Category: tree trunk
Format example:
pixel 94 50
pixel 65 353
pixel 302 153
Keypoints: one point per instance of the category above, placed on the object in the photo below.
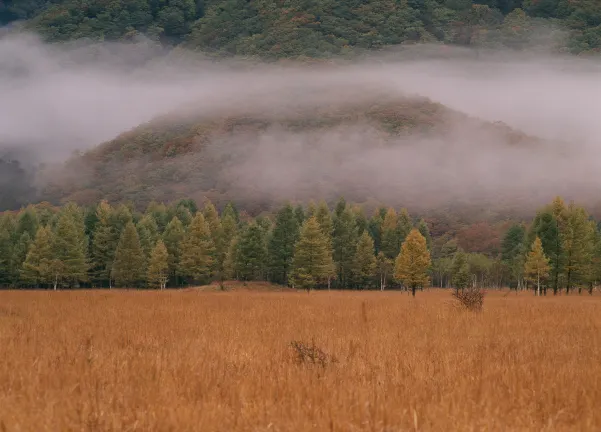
pixel 538 285
pixel 413 290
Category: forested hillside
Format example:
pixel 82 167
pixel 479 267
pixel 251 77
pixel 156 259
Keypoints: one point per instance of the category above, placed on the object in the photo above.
pixel 301 246
pixel 312 28
pixel 365 150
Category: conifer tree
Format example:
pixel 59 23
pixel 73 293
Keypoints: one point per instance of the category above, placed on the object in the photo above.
pixel 537 267
pixel 312 262
pixel 251 253
pixel 281 244
pixel 28 222
pixel 344 242
pixel 391 240
pixel 7 239
pixel 364 262
pixel 360 220
pixel 404 224
pixel 231 210
pixel 129 267
pixel 39 264
pixel 546 227
pixel 311 210
pixel 375 227
pixel 299 213
pixel 70 246
pixel 120 217
pixel 198 251
pixel 412 264
pixel 148 231
pixel 104 244
pixel 18 256
pixel 577 246
pixel 460 274
pixel 159 213
pixel 324 218
pixel 423 229
pixel 158 266
pixel 173 237
pixel 512 251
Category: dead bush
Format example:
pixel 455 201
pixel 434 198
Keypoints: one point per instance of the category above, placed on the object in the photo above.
pixel 471 298
pixel 309 353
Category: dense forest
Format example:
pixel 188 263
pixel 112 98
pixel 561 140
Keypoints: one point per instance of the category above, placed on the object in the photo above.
pixel 304 247
pixel 312 28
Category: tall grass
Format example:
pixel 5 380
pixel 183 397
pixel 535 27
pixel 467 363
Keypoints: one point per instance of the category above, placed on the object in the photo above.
pixel 197 361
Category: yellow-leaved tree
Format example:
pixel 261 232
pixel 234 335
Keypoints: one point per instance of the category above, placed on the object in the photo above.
pixel 412 264
pixel 537 266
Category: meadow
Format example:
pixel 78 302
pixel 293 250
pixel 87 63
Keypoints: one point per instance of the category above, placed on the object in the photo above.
pixel 193 360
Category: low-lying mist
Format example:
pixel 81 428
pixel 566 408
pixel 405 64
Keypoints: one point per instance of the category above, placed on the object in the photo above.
pixel 56 99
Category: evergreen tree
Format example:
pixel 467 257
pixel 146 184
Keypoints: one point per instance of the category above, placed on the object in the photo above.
pixel 312 263
pixel 344 242
pixel 404 224
pixel 251 253
pixel 299 213
pixel 7 239
pixel 198 251
pixel 577 246
pixel 412 264
pixel 129 267
pixel 360 220
pixel 18 256
pixel 460 271
pixel 391 240
pixel 512 251
pixel 159 213
pixel 546 227
pixel 231 210
pixel 375 227
pixel 311 210
pixel 148 231
pixel 281 244
pixel 158 266
pixel 28 222
pixel 104 244
pixel 70 246
pixel 324 218
pixel 39 264
pixel 364 262
pixel 172 237
pixel 423 229
pixel 536 267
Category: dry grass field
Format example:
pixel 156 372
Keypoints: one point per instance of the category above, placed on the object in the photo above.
pixel 207 361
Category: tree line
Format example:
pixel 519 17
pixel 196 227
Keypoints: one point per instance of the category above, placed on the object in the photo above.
pixel 310 246
pixel 301 28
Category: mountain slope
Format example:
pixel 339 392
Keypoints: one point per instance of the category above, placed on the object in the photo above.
pixel 369 150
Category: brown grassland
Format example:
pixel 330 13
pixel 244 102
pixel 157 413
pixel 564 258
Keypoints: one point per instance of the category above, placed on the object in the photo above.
pixel 207 361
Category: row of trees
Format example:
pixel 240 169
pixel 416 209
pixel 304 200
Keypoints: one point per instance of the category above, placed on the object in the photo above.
pixel 315 29
pixel 306 247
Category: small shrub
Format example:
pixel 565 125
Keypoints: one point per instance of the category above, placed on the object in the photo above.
pixel 305 353
pixel 471 298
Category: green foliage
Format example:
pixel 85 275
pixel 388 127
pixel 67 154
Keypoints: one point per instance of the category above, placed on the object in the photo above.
pixel 281 244
pixel 250 258
pixel 364 261
pixel 312 263
pixel 198 251
pixel 39 266
pixel 460 271
pixel 129 267
pixel 158 266
pixel 173 237
pixel 345 238
pixel 70 246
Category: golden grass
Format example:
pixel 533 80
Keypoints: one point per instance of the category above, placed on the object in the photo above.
pixel 207 361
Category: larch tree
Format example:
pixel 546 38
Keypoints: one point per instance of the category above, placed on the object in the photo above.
pixel 391 240
pixel 198 251
pixel 148 231
pixel 251 253
pixel 70 246
pixel 129 266
pixel 413 262
pixel 312 263
pixel 422 227
pixel 39 262
pixel 577 246
pixel 283 237
pixel 547 227
pixel 158 266
pixel 364 262
pixel 344 242
pixel 537 266
pixel 404 224
pixel 173 237
pixel 104 244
